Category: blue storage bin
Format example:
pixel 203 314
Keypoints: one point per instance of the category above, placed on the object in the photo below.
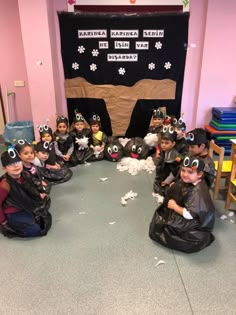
pixel 18 130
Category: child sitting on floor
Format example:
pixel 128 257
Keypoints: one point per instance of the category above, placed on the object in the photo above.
pixel 198 147
pixel 181 142
pixel 185 220
pixel 80 136
pixel 27 156
pixel 168 163
pixel 23 211
pixel 53 175
pixel 64 146
pixel 98 139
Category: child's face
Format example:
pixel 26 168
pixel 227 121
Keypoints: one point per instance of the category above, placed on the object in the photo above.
pixel 195 150
pixel 27 154
pixel 180 133
pixel 189 176
pixel 46 137
pixel 95 128
pixel 62 128
pixel 79 126
pixel 14 170
pixel 157 122
pixel 167 145
pixel 42 156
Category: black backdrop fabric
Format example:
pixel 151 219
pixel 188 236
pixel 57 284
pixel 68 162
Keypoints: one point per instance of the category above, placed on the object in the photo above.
pixel 165 39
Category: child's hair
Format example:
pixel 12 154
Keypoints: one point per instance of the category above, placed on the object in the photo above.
pixel 95 120
pixel 9 157
pixel 21 144
pixel 197 136
pixel 168 133
pixel 62 119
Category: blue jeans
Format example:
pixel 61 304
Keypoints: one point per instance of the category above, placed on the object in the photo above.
pixel 23 223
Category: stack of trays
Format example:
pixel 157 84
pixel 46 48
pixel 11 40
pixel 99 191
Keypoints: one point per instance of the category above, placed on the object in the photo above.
pixel 222 126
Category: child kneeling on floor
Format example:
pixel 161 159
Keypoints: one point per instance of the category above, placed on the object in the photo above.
pixel 185 220
pixel 23 211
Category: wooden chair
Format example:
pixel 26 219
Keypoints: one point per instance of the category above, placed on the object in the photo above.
pixel 222 167
pixel 231 195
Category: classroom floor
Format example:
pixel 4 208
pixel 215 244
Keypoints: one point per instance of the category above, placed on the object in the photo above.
pixel 98 259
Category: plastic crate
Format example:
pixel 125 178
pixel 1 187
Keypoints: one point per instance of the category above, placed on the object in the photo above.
pixel 17 130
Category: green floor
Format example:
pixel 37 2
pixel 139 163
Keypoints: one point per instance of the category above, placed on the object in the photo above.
pixel 98 258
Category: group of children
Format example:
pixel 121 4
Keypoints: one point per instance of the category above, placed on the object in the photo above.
pixel 184 218
pixel 31 170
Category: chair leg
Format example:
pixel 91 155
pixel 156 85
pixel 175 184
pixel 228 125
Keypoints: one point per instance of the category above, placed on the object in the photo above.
pixel 228 199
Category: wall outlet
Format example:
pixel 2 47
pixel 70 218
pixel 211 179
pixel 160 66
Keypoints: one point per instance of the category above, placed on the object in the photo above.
pixel 19 83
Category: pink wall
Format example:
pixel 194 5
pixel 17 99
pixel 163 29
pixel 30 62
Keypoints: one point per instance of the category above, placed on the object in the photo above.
pixel 38 54
pixel 12 61
pixel 209 74
pixel 218 79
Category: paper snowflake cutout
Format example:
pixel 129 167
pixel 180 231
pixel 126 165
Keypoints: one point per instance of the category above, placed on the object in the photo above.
pixel 121 71
pixel 81 49
pixel 167 65
pixel 93 67
pixel 151 66
pixel 95 52
pixel 75 65
pixel 158 45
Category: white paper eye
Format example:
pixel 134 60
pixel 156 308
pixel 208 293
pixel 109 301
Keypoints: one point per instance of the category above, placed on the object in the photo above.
pixel 40 128
pixel 94 117
pixel 186 161
pixel 115 148
pixel 133 148
pixel 98 118
pixel 180 121
pixel 164 129
pixel 190 136
pixel 155 112
pixel 139 150
pixel 175 121
pixel 12 153
pixel 195 163
pixel 21 141
pixel 109 150
pixel 46 145
pixel 45 127
pixel 171 129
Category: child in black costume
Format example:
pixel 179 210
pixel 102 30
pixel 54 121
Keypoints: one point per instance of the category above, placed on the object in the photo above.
pixel 53 175
pixel 181 142
pixel 27 156
pixel 168 163
pixel 158 117
pixel 64 146
pixel 98 139
pixel 80 136
pixel 186 218
pixel 23 211
pixel 198 147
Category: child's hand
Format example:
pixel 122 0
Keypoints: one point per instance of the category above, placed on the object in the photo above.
pixel 66 157
pixel 172 204
pixel 43 195
pixel 44 183
pixel 163 184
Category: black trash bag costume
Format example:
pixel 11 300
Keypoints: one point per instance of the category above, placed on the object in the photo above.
pixel 174 231
pixel 33 171
pixel 54 176
pixel 113 149
pixel 97 140
pixel 25 196
pixel 64 144
pixel 167 164
pixel 81 139
pixel 136 148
